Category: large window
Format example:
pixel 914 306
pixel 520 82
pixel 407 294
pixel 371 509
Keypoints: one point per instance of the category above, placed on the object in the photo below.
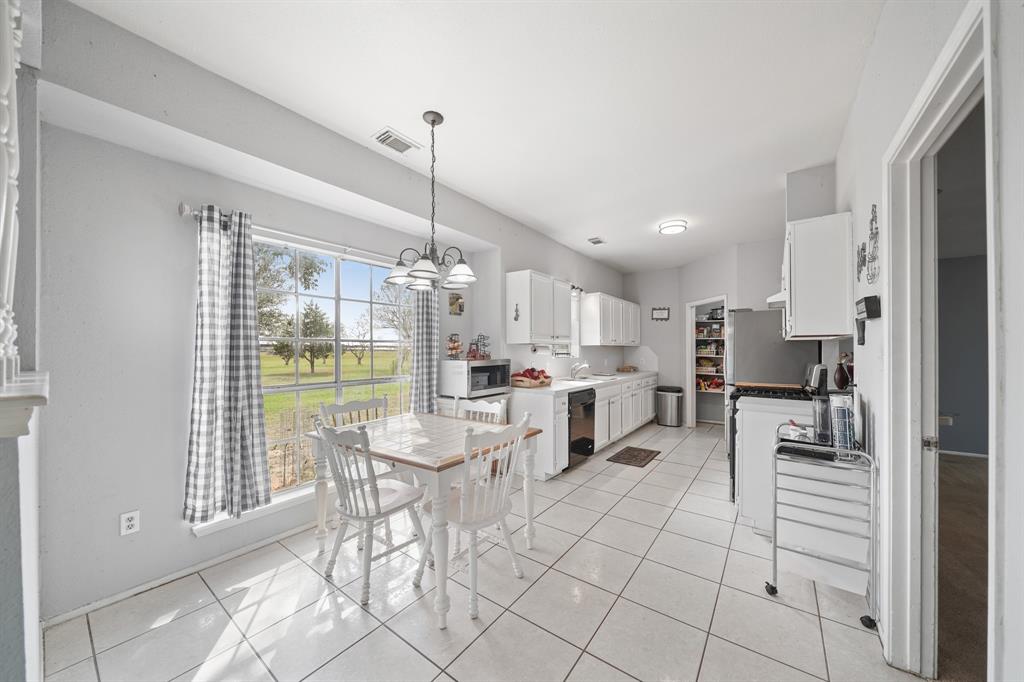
pixel 330 331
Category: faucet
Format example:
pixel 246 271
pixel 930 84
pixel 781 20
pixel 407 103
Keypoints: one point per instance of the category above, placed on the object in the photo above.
pixel 577 368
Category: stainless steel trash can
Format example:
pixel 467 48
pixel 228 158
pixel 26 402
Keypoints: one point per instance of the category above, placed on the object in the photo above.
pixel 670 405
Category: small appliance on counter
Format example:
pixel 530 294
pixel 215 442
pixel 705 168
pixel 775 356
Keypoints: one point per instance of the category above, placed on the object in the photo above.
pixel 474 378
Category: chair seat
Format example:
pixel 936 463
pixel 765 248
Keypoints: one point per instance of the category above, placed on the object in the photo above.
pixel 393 495
pixel 460 509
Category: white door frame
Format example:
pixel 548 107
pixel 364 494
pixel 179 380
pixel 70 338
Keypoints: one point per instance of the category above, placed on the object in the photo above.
pixel 690 392
pixel 908 472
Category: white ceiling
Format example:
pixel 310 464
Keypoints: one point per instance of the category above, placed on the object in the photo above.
pixel 578 119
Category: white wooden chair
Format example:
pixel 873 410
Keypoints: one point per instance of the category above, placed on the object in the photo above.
pixel 483 498
pixel 363 499
pixel 487 411
pixel 482 410
pixel 355 412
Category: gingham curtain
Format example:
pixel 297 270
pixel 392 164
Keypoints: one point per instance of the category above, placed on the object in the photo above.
pixel 425 351
pixel 227 451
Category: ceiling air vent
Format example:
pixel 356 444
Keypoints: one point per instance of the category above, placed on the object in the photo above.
pixel 396 141
pixel 596 241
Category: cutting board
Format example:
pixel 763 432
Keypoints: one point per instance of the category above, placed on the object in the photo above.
pixel 751 384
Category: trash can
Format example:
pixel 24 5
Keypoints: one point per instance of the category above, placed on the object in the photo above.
pixel 670 405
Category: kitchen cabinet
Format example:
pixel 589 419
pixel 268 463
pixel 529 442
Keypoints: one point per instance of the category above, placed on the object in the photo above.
pixel 600 423
pixel 561 323
pixel 537 308
pixel 615 417
pixel 561 453
pixel 756 422
pixel 817 278
pixel 609 321
pixel 637 411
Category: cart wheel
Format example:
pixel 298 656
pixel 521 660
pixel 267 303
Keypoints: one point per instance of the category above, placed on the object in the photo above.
pixel 770 589
pixel 868 622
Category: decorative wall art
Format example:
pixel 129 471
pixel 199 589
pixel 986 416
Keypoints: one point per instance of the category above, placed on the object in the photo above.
pixel 867 252
pixel 660 314
pixel 456 304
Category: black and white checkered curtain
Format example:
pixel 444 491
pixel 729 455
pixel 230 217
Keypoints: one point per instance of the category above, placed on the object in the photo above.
pixel 227 450
pixel 425 351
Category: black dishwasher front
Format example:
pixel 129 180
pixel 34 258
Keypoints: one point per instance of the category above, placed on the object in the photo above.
pixel 581 425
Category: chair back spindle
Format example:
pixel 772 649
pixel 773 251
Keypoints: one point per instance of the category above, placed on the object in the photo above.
pixel 352 468
pixel 354 412
pixel 490 412
pixel 487 478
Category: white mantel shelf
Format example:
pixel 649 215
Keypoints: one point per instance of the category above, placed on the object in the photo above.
pixel 18 399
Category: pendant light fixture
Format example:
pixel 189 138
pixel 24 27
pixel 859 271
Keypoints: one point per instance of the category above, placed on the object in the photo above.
pixel 425 270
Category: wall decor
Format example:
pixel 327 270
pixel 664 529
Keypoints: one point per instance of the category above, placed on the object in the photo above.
pixel 456 304
pixel 867 252
pixel 660 314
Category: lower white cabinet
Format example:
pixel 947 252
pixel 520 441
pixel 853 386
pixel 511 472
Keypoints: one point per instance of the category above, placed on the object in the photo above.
pixel 756 422
pixel 648 400
pixel 600 423
pixel 561 434
pixel 638 415
pixel 615 417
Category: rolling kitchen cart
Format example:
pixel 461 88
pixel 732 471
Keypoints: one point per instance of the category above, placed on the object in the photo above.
pixel 824 497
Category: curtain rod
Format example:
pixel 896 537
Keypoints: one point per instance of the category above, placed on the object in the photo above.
pixel 185 209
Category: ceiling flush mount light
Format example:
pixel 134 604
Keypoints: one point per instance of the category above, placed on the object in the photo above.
pixel 672 227
pixel 425 270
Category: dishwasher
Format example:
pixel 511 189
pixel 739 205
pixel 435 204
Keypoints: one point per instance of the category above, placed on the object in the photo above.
pixel 581 425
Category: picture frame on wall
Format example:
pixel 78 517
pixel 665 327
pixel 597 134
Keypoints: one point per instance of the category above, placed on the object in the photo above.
pixel 660 314
pixel 456 304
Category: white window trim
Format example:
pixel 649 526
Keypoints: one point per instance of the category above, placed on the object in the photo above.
pixel 293 497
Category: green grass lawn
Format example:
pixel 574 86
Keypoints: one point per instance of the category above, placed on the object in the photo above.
pixel 280 408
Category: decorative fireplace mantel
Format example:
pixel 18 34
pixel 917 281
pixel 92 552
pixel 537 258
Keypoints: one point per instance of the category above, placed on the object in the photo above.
pixel 19 398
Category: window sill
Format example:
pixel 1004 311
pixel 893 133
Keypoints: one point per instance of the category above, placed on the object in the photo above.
pixel 304 494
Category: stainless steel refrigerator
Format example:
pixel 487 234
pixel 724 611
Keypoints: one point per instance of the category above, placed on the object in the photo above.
pixel 757 353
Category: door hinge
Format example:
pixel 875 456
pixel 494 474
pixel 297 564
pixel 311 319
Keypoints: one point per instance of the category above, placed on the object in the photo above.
pixel 930 442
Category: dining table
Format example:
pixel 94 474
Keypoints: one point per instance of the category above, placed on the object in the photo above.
pixel 432 447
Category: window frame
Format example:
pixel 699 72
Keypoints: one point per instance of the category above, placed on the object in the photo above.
pixel 401 383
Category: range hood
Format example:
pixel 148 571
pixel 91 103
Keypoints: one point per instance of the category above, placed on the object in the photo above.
pixel 776 301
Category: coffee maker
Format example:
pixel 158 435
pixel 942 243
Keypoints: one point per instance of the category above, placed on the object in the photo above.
pixel 816 385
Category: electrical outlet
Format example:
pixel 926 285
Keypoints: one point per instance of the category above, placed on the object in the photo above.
pixel 130 522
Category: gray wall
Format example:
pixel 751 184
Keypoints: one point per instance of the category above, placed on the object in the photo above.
pixel 118 287
pixel 963 353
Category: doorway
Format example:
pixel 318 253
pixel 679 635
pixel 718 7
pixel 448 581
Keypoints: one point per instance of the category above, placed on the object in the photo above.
pixel 706 361
pixel 962 369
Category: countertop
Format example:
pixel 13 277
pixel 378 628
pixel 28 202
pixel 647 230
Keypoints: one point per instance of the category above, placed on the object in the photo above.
pixel 563 386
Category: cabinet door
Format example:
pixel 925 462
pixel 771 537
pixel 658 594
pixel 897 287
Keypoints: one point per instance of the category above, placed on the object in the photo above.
pixel 636 324
pixel 616 339
pixel 561 313
pixel 600 424
pixel 638 418
pixel 820 277
pixel 541 307
pixel 650 398
pixel 606 321
pixel 614 418
pixel 561 445
pixel 627 323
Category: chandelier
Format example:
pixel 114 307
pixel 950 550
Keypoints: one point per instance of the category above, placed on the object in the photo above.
pixel 425 270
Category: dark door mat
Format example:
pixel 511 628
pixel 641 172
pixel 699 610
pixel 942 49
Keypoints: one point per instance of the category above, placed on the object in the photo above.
pixel 635 457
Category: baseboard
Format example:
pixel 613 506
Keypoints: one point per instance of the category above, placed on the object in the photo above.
pixel 139 589
pixel 963 454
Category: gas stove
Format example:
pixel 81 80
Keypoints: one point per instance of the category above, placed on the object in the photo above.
pixel 776 393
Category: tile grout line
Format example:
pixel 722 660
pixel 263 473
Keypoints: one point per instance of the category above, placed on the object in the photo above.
pixel 245 638
pixel 92 645
pixel 821 631
pixel 714 609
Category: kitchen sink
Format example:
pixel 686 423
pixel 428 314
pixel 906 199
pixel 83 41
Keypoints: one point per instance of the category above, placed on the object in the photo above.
pixel 583 382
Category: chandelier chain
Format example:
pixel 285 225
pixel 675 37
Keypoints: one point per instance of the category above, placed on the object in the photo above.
pixel 433 200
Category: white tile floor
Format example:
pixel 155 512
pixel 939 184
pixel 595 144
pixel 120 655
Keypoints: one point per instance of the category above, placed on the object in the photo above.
pixel 637 573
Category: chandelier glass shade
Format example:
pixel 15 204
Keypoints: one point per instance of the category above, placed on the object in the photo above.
pixel 427 269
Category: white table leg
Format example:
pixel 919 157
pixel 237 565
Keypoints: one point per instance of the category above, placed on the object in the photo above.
pixel 321 492
pixel 439 516
pixel 531 452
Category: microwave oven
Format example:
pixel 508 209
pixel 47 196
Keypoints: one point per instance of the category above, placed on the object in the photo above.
pixel 474 378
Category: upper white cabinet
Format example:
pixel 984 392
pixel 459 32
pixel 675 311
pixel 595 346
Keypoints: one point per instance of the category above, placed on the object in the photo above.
pixel 562 311
pixel 609 321
pixel 817 278
pixel 538 308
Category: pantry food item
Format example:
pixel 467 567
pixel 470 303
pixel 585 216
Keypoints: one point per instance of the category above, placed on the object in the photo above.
pixel 531 377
